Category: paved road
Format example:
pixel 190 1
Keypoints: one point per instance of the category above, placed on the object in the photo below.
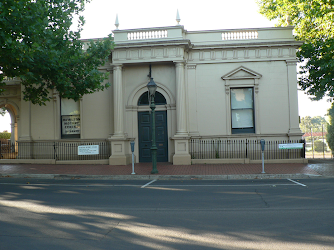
pixel 243 214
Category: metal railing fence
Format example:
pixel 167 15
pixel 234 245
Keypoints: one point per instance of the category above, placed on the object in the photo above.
pixel 60 151
pixel 199 149
pixel 243 148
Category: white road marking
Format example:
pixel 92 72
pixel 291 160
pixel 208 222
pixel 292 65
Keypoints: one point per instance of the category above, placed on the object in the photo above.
pixel 297 182
pixel 70 185
pixel 256 185
pixel 149 183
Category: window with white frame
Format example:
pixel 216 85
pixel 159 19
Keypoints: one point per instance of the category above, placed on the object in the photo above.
pixel 70 118
pixel 242 110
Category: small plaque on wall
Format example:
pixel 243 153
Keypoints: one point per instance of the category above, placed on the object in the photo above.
pixel 70 124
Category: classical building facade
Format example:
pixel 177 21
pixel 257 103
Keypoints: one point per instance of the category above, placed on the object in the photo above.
pixel 220 84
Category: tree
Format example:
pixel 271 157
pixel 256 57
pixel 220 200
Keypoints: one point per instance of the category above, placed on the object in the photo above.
pixel 5 135
pixel 330 128
pixel 3 111
pixel 319 146
pixel 314 24
pixel 39 47
pixel 316 122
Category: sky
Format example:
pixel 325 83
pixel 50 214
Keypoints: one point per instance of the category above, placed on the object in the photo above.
pixel 100 18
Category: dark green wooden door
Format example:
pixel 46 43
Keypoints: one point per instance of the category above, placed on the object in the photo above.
pixel 145 136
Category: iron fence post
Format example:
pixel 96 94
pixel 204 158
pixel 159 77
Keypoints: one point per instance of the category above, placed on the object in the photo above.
pixel 54 150
pixel 246 149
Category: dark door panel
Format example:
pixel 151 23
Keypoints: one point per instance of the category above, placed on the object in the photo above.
pixel 145 136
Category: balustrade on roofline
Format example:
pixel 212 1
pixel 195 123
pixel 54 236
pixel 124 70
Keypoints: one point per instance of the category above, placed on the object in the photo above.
pixel 152 34
pixel 240 35
pixel 163 33
pixel 11 79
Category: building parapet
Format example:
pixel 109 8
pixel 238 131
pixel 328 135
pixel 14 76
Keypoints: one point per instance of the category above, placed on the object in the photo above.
pixel 204 36
pixel 12 80
pixel 158 33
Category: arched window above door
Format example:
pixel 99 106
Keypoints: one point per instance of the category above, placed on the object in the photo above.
pixel 158 100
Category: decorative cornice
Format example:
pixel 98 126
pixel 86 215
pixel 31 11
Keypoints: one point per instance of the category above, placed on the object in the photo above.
pixel 241 73
pixel 250 74
pixel 154 43
pixel 11 91
pixel 291 62
pixel 241 54
pixel 253 45
pixel 179 63
pixel 116 65
pixel 191 66
pixel 149 54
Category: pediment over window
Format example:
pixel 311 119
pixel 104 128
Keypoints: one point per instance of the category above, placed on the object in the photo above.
pixel 241 73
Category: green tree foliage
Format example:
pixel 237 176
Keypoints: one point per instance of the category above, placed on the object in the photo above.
pixel 330 128
pixel 5 135
pixel 316 122
pixel 319 146
pixel 3 111
pixel 39 47
pixel 314 24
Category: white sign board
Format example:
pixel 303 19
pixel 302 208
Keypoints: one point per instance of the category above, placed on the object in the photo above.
pixel 291 146
pixel 88 150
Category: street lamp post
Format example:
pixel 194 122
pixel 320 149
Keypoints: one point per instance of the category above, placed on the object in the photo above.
pixel 152 87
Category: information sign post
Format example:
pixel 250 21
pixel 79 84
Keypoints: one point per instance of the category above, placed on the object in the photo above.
pixel 132 143
pixel 263 142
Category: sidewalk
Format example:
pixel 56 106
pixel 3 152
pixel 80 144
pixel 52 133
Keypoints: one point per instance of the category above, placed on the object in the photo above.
pixel 316 168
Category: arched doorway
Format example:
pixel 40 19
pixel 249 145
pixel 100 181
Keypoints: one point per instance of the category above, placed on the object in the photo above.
pixel 8 146
pixel 12 112
pixel 145 129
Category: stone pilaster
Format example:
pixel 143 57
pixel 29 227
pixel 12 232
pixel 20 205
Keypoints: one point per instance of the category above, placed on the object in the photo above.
pixel 56 115
pixel 181 138
pixel 120 144
pixel 294 130
pixel 25 121
pixel 192 119
pixel 118 102
pixel 13 127
pixel 181 119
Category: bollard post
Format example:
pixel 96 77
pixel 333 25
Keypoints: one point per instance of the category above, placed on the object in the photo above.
pixel 132 143
pixel 263 142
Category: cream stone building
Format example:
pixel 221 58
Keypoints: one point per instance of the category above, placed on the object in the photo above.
pixel 214 85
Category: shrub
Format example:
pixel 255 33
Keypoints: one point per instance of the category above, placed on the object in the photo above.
pixel 319 146
pixel 5 135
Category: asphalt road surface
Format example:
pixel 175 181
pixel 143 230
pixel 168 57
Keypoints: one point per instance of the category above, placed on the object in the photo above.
pixel 240 214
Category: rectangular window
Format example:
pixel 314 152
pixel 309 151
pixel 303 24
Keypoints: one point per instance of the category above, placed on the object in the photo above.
pixel 70 118
pixel 242 110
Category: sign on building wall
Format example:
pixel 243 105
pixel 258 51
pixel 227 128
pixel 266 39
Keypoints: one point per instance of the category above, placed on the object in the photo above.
pixel 291 146
pixel 70 124
pixel 88 150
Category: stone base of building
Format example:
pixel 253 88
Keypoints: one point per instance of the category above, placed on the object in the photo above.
pixel 120 159
pixel 247 161
pixel 182 159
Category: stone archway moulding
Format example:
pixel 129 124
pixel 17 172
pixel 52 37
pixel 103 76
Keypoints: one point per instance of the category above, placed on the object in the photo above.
pixel 136 93
pixel 132 109
pixel 14 112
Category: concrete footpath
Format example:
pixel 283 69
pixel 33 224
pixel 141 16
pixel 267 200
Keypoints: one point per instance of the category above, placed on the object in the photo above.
pixel 314 169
